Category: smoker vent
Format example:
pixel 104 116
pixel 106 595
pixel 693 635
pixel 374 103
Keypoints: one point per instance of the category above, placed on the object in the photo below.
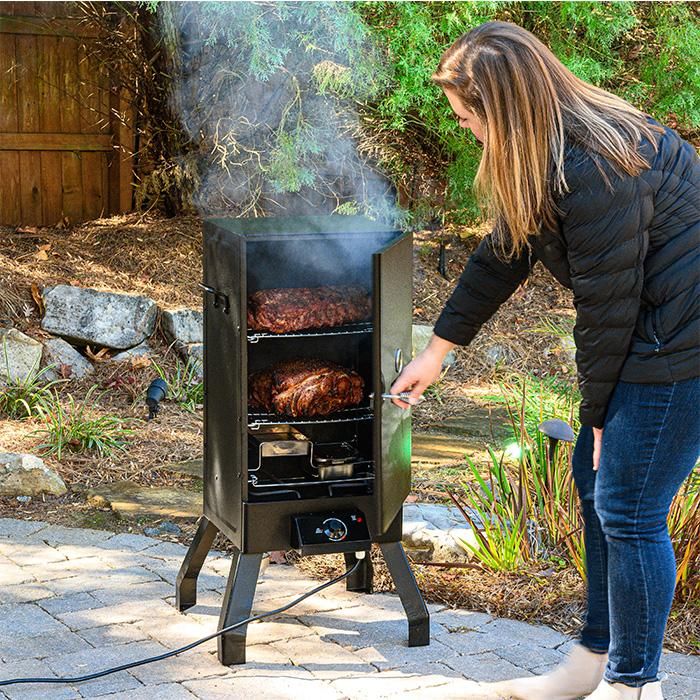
pixel 350 329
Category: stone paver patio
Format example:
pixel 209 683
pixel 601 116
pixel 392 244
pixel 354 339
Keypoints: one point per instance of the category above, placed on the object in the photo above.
pixel 76 601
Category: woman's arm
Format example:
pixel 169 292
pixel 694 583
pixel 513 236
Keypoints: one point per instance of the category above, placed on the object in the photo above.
pixel 487 281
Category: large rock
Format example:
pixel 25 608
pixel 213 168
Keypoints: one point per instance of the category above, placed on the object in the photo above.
pixel 184 325
pixel 421 337
pixel 64 361
pixel 133 354
pixel 87 316
pixel 27 475
pixel 134 500
pixel 20 355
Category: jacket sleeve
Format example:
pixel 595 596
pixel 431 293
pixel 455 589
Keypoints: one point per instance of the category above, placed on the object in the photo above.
pixel 605 231
pixel 487 281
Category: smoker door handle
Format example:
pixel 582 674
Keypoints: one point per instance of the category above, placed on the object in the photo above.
pixel 219 297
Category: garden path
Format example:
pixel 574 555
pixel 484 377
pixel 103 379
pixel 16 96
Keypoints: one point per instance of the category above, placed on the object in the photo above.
pixel 74 601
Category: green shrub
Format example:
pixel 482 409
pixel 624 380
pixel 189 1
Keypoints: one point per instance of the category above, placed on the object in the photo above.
pixel 647 53
pixel 79 428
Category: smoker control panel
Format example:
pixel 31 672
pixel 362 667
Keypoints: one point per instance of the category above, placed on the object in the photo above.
pixel 317 533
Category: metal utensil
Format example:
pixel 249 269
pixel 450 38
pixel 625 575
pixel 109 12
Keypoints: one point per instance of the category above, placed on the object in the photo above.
pixel 403 396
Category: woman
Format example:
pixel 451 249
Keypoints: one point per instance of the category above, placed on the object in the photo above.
pixel 609 201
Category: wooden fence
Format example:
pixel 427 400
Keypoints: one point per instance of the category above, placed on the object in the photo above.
pixel 64 153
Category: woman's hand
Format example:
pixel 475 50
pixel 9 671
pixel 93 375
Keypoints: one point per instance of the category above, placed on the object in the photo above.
pixel 597 444
pixel 419 374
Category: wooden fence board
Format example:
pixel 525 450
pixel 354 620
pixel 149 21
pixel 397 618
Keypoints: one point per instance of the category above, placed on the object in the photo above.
pixel 93 194
pixel 8 85
pixel 72 174
pixel 63 152
pixel 51 187
pixel 27 83
pixel 30 187
pixel 10 206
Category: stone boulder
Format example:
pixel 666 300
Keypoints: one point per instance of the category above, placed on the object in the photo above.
pixel 117 321
pixel 20 355
pixel 64 361
pixel 132 354
pixel 184 326
pixel 421 336
pixel 27 475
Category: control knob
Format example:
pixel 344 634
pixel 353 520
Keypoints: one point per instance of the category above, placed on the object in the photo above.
pixel 335 529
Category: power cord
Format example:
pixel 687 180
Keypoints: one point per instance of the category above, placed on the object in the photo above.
pixel 99 674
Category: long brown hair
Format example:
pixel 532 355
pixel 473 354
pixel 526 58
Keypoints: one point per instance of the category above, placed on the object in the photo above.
pixel 531 105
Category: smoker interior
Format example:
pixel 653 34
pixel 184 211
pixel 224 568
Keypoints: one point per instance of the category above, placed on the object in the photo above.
pixel 327 260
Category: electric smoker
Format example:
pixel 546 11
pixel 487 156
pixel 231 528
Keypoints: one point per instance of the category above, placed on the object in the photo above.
pixel 322 484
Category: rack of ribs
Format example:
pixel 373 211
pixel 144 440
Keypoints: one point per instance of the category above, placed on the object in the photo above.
pixel 304 387
pixel 305 308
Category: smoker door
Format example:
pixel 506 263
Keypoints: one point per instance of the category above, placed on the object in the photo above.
pixel 225 404
pixel 393 312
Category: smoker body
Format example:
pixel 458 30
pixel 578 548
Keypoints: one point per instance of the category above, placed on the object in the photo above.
pixel 259 504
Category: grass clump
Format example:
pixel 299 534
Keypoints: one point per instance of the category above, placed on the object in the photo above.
pixel 185 385
pixel 77 427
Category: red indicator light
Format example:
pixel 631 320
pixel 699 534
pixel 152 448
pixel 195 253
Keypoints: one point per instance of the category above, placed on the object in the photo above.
pixel 359 520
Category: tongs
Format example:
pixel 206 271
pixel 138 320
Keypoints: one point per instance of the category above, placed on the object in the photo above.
pixel 403 396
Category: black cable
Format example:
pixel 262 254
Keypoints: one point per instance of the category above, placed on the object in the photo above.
pixel 174 652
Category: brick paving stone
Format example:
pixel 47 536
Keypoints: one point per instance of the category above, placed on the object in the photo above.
pixel 116 595
pixel 280 685
pixel 88 568
pixel 461 620
pixel 166 691
pixel 12 574
pixel 486 667
pixel 165 550
pixel 525 632
pixel 278 630
pixel 130 542
pixel 386 657
pixel 28 553
pixel 476 642
pixel 680 687
pixel 457 689
pixel 69 603
pixel 16 648
pixel 188 666
pixel 176 630
pixel 386 684
pixel 91 660
pixel 107 635
pixel 32 668
pixel 324 660
pixel 114 614
pixel 672 662
pixel 58 534
pixel 530 656
pixel 26 620
pixel 17 529
pixel 24 593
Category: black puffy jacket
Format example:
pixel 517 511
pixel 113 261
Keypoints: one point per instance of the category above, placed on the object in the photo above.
pixel 631 257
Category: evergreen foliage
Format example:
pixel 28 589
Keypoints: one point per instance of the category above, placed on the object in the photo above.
pixel 647 53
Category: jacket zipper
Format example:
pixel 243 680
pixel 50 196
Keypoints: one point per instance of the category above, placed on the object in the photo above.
pixel 657 348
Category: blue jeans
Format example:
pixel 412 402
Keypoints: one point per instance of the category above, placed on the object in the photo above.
pixel 651 441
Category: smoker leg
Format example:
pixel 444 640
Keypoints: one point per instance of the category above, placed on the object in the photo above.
pixel 186 585
pixel 411 598
pixel 238 602
pixel 361 580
